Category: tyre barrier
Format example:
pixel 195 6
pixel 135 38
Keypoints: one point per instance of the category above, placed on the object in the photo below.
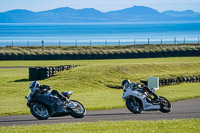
pixel 171 81
pixel 41 73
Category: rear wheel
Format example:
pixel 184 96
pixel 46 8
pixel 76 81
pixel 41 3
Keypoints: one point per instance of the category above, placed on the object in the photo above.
pixel 39 111
pixel 134 105
pixel 78 111
pixel 165 105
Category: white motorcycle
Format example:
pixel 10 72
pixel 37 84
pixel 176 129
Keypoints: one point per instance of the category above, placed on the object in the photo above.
pixel 137 100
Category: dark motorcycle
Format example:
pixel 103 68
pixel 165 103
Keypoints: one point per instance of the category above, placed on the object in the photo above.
pixel 43 106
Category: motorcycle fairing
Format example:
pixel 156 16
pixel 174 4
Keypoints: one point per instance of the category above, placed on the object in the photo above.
pixel 45 99
pixel 142 97
pixel 52 103
pixel 129 92
pixel 67 93
pixel 149 106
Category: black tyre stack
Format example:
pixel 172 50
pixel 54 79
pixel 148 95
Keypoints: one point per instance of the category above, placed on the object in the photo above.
pixel 33 73
pixel 41 73
pixel 171 81
pixel 163 82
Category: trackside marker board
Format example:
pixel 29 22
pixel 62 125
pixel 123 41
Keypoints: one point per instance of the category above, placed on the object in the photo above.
pixel 153 82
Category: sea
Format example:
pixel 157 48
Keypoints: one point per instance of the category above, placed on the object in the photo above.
pixel 96 34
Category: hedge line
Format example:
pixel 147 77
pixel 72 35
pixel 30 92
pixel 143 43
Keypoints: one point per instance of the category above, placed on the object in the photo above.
pixel 41 73
pixel 114 55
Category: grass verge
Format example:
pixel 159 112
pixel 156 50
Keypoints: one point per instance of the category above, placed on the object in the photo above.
pixel 53 50
pixel 101 62
pixel 163 126
pixel 90 83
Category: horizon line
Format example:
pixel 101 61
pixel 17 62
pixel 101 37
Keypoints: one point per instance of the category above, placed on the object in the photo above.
pixel 100 10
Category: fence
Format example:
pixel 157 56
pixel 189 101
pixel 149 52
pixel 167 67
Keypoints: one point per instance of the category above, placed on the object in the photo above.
pixel 174 40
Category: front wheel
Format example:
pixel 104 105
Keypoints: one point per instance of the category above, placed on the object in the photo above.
pixel 78 111
pixel 134 105
pixel 39 111
pixel 165 105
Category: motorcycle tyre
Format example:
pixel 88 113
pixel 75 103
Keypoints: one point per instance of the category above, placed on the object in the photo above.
pixel 38 116
pixel 77 115
pixel 162 109
pixel 130 108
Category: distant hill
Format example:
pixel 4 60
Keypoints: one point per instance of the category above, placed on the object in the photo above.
pixel 188 13
pixel 137 14
pixel 70 15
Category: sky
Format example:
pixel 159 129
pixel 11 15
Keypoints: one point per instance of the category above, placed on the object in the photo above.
pixel 101 5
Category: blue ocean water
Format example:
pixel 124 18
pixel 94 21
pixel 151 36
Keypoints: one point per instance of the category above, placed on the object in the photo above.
pixel 98 33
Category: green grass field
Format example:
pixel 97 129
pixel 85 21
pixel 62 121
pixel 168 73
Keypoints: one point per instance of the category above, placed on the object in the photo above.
pixel 90 83
pixel 92 62
pixel 161 126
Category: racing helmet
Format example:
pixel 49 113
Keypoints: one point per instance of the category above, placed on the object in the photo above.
pixel 33 85
pixel 125 82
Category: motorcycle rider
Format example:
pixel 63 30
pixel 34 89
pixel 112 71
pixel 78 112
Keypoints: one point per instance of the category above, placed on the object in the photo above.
pixel 35 86
pixel 126 83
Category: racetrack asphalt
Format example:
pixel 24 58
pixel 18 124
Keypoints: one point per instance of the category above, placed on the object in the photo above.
pixel 184 109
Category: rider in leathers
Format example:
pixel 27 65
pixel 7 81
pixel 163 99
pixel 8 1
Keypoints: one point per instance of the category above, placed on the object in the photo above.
pixel 35 86
pixel 126 83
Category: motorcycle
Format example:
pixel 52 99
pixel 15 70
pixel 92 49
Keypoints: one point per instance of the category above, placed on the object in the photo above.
pixel 138 100
pixel 43 106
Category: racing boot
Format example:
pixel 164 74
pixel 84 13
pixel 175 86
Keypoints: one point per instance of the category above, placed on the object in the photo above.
pixel 66 102
pixel 155 99
pixel 63 98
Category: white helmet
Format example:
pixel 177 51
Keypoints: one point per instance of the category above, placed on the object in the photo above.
pixel 34 85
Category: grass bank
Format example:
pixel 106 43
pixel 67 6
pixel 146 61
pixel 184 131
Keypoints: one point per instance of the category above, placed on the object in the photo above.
pixel 90 83
pixel 163 126
pixel 98 52
pixel 34 50
pixel 100 62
